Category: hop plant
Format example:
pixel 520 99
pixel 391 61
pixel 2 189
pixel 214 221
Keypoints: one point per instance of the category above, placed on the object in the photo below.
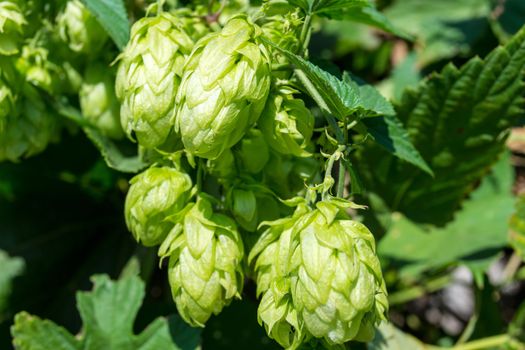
pixel 287 124
pixel 205 253
pixel 98 101
pixel 7 103
pixel 80 29
pixel 336 280
pixel 29 128
pixel 224 88
pixel 12 23
pixel 154 195
pixel 149 75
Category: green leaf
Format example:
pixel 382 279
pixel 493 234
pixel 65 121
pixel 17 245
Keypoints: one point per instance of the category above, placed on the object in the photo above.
pixel 338 97
pixel 458 120
pixel 361 12
pixel 9 268
pixel 388 337
pixel 111 153
pixel 443 28
pixel 517 227
pixel 108 313
pixel 32 333
pixel 389 132
pixel 112 15
pixel 476 236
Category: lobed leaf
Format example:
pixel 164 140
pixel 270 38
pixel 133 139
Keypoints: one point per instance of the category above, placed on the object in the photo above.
pixel 459 121
pixel 108 313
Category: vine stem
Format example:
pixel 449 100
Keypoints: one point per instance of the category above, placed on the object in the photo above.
pixel 304 37
pixel 484 343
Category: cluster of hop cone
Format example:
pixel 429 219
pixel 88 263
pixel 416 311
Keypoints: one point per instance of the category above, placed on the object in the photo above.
pixel 231 145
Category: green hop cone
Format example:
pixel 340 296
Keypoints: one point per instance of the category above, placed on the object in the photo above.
pixel 98 101
pixel 80 29
pixel 12 23
pixel 287 124
pixel 224 89
pixel 154 195
pixel 205 254
pixel 29 128
pixel 336 280
pixel 35 65
pixel 284 30
pixel 149 75
pixel 252 143
pixel 270 258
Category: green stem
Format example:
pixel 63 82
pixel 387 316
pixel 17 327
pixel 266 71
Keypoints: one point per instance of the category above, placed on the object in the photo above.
pixel 512 267
pixel 418 291
pixel 484 343
pixel 471 325
pixel 304 38
pixel 160 5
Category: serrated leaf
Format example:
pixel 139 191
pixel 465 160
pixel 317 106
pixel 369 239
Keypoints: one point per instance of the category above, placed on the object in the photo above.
pixel 112 15
pixel 389 133
pixel 108 313
pixel 338 97
pixel 32 333
pixel 517 227
pixel 458 120
pixel 476 235
pixel 388 337
pixel 10 267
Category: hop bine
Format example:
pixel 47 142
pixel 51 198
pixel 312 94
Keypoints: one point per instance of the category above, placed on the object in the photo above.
pixel 149 75
pixel 224 88
pixel 205 253
pixel 154 195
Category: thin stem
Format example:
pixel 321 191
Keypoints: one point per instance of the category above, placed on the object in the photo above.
pixel 512 267
pixel 304 38
pixel 418 291
pixel 341 179
pixel 471 325
pixel 160 6
pixel 484 343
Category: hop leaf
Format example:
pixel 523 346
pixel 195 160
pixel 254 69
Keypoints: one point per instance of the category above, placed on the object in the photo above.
pixel 28 130
pixel 287 124
pixel 12 23
pixel 149 75
pixel 205 271
pixel 80 29
pixel 224 88
pixel 337 285
pixel 154 195
pixel 98 101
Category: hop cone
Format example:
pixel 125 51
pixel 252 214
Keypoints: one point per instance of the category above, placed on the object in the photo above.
pixel 154 195
pixel 80 29
pixel 28 130
pixel 98 101
pixel 224 88
pixel 287 124
pixel 270 258
pixel 205 271
pixel 149 75
pixel 12 22
pixel 336 281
